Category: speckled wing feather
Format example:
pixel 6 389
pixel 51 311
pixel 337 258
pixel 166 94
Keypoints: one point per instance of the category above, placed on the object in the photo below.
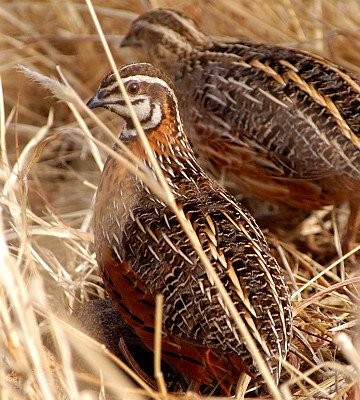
pixel 163 259
pixel 272 101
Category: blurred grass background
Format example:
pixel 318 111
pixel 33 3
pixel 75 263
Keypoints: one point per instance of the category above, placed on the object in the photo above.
pixel 47 265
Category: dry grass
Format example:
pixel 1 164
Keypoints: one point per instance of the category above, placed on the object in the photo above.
pixel 50 165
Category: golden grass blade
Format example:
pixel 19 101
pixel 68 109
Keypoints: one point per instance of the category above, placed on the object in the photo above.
pixel 98 357
pixel 13 288
pixel 4 158
pixel 346 346
pixel 157 345
pixel 305 303
pixel 21 167
pixel 323 272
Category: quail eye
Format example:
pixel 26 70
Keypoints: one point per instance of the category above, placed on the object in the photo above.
pixel 101 93
pixel 133 88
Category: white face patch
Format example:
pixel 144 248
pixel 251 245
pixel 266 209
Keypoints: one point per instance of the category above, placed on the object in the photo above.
pixel 155 118
pixel 142 107
pixel 157 110
pixel 153 122
pixel 128 133
pixel 147 109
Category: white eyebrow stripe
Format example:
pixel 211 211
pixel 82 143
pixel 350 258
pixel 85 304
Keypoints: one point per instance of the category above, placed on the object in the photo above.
pixel 170 31
pixel 149 79
pixel 161 82
pixel 171 35
pixel 185 22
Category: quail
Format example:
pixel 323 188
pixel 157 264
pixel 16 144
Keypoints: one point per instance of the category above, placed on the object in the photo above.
pixel 278 123
pixel 142 250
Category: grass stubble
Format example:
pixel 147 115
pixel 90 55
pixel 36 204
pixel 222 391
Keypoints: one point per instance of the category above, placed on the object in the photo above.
pixel 51 157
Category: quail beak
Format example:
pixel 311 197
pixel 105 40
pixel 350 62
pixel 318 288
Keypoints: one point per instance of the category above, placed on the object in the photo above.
pixel 95 102
pixel 128 41
pixel 125 42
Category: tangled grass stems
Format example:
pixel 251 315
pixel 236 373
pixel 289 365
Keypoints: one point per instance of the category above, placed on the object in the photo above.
pixel 46 236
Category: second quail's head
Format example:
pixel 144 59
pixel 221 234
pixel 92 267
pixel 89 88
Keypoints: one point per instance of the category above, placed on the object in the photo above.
pixel 164 34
